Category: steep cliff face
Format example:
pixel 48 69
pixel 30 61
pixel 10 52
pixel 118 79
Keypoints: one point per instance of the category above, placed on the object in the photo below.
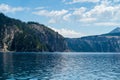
pixel 53 40
pixel 101 43
pixel 7 32
pixel 20 36
pixel 95 44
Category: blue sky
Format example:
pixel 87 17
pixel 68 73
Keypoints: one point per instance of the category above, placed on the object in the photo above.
pixel 71 18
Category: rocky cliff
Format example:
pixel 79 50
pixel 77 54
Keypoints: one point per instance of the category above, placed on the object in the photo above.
pixel 109 42
pixel 16 35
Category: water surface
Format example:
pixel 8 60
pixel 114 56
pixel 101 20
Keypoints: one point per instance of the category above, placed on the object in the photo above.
pixel 59 66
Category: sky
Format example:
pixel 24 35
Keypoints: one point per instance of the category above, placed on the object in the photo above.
pixel 71 18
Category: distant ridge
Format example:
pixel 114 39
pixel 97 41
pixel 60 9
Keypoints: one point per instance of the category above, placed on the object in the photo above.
pixel 116 30
pixel 109 42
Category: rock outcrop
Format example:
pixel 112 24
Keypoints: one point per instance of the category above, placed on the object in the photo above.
pixel 19 36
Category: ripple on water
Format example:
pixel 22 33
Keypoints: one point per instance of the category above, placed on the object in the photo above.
pixel 35 66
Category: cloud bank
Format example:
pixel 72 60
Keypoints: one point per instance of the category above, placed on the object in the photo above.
pixel 5 8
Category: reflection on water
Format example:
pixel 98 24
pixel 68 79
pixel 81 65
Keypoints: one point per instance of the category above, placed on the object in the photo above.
pixel 59 66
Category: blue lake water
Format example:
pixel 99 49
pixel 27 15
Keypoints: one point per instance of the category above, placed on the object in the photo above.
pixel 59 66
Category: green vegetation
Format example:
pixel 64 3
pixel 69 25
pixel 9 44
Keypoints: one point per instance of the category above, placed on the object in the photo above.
pixel 28 37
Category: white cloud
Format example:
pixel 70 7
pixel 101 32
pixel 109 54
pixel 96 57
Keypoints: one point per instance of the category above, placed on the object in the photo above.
pixel 101 10
pixel 104 12
pixel 67 17
pixel 79 11
pixel 76 13
pixel 86 20
pixel 107 24
pixel 81 15
pixel 68 33
pixel 100 14
pixel 8 9
pixel 82 1
pixel 53 13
